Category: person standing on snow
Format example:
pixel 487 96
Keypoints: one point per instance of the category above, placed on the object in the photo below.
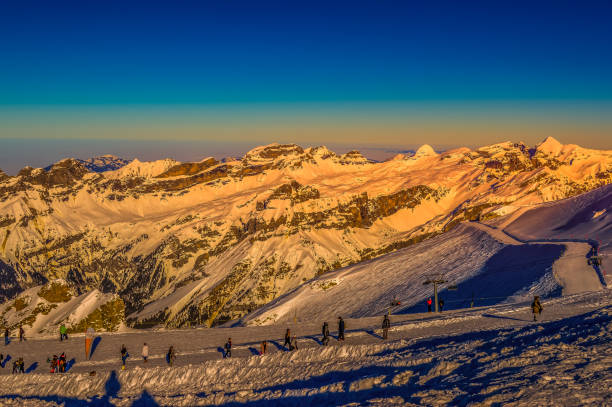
pixel 63 332
pixel 287 343
pixel 124 356
pixel 264 346
pixel 171 356
pixel 386 324
pixel 441 304
pixel 325 333
pixel 340 329
pixel 429 302
pixel 145 352
pixel 21 334
pixel 536 307
pixel 62 363
pixel 6 336
pixel 19 366
pixel 228 348
pixel 53 363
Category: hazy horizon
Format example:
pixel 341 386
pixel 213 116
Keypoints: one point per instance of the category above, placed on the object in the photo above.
pixel 229 76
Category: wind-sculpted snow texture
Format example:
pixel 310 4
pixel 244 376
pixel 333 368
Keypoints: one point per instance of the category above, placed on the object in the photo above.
pixel 213 241
pixel 484 356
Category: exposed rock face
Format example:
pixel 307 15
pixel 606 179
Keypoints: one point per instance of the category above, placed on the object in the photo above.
pixel 188 168
pixel 211 241
pixel 100 164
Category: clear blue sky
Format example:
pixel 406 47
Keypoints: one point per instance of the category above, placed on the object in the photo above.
pixel 307 71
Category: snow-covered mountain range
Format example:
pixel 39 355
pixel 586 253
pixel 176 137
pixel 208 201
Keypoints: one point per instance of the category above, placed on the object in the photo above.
pixel 212 241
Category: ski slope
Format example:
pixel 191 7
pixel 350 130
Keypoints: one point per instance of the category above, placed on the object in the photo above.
pixel 484 356
pixel 485 262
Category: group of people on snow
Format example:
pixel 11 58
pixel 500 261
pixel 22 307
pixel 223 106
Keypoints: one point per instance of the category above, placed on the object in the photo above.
pixel 429 303
pixel 58 364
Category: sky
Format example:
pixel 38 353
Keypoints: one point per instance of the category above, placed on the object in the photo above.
pixel 192 79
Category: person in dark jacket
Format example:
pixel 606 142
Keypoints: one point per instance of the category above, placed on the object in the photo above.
pixel 264 347
pixel 171 355
pixel 62 363
pixel 325 333
pixel 6 336
pixel 441 304
pixel 340 329
pixel 536 307
pixel 287 343
pixel 124 356
pixel 228 348
pixel 386 324
pixel 21 334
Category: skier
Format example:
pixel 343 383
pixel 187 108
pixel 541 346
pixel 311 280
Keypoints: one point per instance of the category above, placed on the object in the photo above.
pixel 264 345
pixel 171 355
pixel 340 329
pixel 385 326
pixel 325 333
pixel 6 336
pixel 15 366
pixel 441 304
pixel 63 332
pixel 429 304
pixel 536 307
pixel 228 348
pixel 21 334
pixel 124 356
pixel 145 352
pixel 287 343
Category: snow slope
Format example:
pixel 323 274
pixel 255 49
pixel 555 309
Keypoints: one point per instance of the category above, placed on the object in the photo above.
pixel 486 264
pixel 481 356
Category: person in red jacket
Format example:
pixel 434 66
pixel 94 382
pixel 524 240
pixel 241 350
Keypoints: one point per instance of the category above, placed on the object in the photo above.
pixel 429 302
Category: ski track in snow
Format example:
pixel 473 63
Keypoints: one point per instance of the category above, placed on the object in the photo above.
pixel 478 356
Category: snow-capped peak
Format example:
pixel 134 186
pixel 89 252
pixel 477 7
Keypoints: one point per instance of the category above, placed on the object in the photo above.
pixel 147 169
pixel 321 152
pixel 271 152
pixel 550 146
pixel 425 151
